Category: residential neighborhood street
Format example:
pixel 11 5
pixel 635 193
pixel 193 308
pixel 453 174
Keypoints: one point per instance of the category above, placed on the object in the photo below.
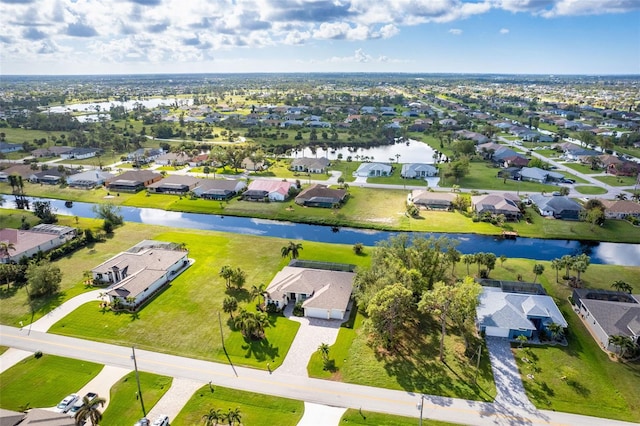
pixel 292 386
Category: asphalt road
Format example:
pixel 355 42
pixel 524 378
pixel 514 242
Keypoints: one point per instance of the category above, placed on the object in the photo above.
pixel 302 388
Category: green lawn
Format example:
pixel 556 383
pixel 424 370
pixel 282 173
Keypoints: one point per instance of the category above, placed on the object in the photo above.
pixel 182 304
pixel 582 168
pixel 483 175
pixel 617 180
pixel 124 406
pixel 359 417
pixel 590 189
pixel 396 179
pixel 44 382
pixel 254 408
pixel 18 135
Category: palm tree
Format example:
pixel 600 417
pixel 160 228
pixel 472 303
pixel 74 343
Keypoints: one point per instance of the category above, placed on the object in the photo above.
pixel 522 339
pixel 622 286
pixel 5 247
pixel 567 261
pixel 257 291
pixel 580 266
pixel 538 269
pixel 624 343
pixel 230 305
pixel 324 351
pixel 292 250
pixel 454 257
pixel 621 196
pixel 90 411
pixel 226 272
pixel 212 417
pixel 251 324
pixel 555 330
pixel 233 416
pixel 468 259
pixel 557 265
pixel 503 259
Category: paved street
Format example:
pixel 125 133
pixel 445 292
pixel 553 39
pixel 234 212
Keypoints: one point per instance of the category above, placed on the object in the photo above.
pixel 302 388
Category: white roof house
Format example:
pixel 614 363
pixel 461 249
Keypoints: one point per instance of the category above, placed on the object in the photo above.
pixel 89 178
pixel 372 170
pixel 511 314
pixel 418 170
pixel 324 294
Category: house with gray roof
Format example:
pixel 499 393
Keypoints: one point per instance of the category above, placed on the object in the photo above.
pixel 609 313
pixel 432 200
pixel 373 170
pixel 80 153
pixel 134 276
pixel 535 174
pixel 310 165
pixel 89 179
pixel 324 294
pixel 219 189
pixel 9 147
pixel 133 180
pixel 510 315
pixel 557 206
pixel 418 171
pixel 620 209
pixel 174 184
pixel 497 204
pixel 321 196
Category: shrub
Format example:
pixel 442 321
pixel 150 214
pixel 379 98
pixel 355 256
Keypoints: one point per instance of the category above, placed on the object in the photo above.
pixel 37 355
pixel 298 311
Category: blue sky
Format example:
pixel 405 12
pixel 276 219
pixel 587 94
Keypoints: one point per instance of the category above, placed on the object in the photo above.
pixel 217 36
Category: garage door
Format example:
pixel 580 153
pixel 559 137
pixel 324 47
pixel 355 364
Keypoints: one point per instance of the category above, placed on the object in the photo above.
pixel 497 332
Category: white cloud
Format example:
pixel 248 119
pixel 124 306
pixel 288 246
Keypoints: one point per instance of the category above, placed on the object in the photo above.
pixel 361 56
pixel 504 31
pixel 455 31
pixel 553 8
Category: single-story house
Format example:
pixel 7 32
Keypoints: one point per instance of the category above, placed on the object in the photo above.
pixel 36 417
pixel 9 147
pixel 89 179
pixel 510 315
pixel 497 204
pixel 609 313
pixel 267 189
pixel 321 196
pixel 53 151
pixel 535 174
pixel 133 180
pixel 49 177
pixel 174 184
pixel 23 170
pixel 432 200
pixel 627 168
pixel 219 189
pixel 311 165
pixel 324 294
pixel 557 206
pixel 620 209
pixel 253 166
pixel 373 170
pixel 80 153
pixel 26 243
pixel 418 170
pixel 173 158
pixel 144 155
pixel 137 274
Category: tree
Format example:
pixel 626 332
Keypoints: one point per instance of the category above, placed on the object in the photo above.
pixel 10 272
pixel 230 305
pixel 324 352
pixel 580 264
pixel 238 278
pixel 212 417
pixel 226 272
pixel 251 324
pixel 463 306
pixel 43 210
pixel 257 291
pixel 358 248
pixel 566 262
pixel 109 213
pixel 5 247
pixel 43 278
pixel 90 410
pixel 233 416
pixel 468 259
pixel 292 250
pixel 438 302
pixel 555 330
pixel 557 265
pixel 459 169
pixel 538 269
pixel 503 259
pixel 622 286
pixel 522 339
pixel 453 256
pixel 594 216
pixel 623 343
pixel 387 313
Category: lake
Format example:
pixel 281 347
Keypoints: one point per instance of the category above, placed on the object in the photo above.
pixel 531 248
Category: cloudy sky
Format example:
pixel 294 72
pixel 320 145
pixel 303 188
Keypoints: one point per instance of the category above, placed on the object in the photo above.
pixel 218 36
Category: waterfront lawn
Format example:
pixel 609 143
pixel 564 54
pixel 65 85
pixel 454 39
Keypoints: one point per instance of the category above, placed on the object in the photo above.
pixel 195 297
pixel 415 366
pixel 590 190
pixel 617 180
pixel 124 407
pixel 359 417
pixel 254 408
pixel 43 382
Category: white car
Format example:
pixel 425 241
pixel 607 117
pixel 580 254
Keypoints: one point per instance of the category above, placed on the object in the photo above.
pixel 161 420
pixel 66 404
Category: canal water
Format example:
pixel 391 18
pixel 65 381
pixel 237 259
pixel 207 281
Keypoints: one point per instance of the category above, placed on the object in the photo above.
pixel 531 248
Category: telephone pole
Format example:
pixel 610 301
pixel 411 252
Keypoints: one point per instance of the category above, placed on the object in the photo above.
pixel 135 365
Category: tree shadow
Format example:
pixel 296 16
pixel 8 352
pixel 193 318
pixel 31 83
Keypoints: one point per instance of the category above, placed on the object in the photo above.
pixel 241 294
pixel 8 293
pixel 261 350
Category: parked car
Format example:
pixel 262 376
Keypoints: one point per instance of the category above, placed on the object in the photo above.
pixel 161 420
pixel 80 403
pixel 142 422
pixel 66 404
pixel 569 181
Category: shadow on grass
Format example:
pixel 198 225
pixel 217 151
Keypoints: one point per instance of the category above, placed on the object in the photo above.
pixel 8 293
pixel 241 294
pixel 261 350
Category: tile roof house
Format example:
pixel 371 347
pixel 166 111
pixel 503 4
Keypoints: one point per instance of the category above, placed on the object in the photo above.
pixel 496 204
pixel 432 200
pixel 418 171
pixel 321 196
pixel 133 180
pixel 219 189
pixel 267 189
pixel 174 184
pixel 620 209
pixel 373 170
pixel 557 206
pixel 609 313
pixel 509 315
pixel 324 294
pixel 311 165
pixel 26 243
pixel 136 275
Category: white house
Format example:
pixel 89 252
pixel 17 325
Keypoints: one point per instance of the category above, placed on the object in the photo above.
pixel 324 294
pixel 27 243
pixel 80 153
pixel 89 179
pixel 373 170
pixel 137 274
pixel 418 170
pixel 262 189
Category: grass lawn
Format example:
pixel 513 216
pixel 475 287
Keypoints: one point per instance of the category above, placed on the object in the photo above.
pixel 582 168
pixel 124 407
pixel 182 304
pixel 254 408
pixel 44 382
pixel 396 179
pixel 595 385
pixel 590 189
pixel 19 135
pixel 617 180
pixel 483 175
pixel 414 368
pixel 359 417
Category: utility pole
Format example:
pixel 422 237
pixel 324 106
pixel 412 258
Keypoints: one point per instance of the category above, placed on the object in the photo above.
pixel 221 334
pixel 135 365
pixel 421 407
pixel 478 363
